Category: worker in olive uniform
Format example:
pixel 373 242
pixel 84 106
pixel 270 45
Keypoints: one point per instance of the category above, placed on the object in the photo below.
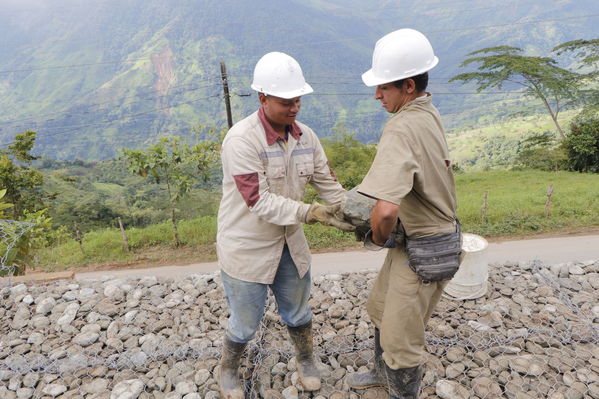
pixel 411 179
pixel 268 158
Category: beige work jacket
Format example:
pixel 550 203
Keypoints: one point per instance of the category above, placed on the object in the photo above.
pixel 261 209
pixel 412 168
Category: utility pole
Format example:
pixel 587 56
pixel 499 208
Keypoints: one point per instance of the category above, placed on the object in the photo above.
pixel 223 75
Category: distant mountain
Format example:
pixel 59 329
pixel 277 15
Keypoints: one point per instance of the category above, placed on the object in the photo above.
pixel 93 77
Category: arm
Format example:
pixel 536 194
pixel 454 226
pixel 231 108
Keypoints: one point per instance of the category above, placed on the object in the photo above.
pixel 383 219
pixel 242 164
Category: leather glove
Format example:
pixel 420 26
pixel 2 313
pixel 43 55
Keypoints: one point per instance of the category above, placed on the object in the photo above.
pixel 329 215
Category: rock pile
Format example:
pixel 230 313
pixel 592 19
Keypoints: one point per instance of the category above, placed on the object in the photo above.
pixel 534 335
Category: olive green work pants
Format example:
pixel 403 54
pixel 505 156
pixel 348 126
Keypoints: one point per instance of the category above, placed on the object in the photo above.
pixel 400 305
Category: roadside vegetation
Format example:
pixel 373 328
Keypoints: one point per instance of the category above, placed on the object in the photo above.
pixel 516 205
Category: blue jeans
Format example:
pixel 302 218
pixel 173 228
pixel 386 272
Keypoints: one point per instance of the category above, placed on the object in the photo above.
pixel 247 300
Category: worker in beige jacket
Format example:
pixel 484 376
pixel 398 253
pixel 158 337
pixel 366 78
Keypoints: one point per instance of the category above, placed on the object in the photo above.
pixel 268 158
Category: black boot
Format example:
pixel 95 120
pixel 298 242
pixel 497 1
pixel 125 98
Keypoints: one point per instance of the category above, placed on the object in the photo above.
pixel 404 383
pixel 228 381
pixel 374 377
pixel 302 340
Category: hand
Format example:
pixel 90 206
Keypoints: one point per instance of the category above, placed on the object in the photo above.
pixel 329 215
pixel 373 246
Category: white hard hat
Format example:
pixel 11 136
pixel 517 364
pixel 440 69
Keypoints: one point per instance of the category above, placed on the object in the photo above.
pixel 280 75
pixel 398 55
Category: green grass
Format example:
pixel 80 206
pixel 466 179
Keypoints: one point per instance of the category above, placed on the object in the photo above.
pixel 515 206
pixel 516 201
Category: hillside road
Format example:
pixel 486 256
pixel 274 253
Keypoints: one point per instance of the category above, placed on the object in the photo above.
pixel 547 250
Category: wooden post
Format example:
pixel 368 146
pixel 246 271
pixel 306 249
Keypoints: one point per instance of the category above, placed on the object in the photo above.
pixel 548 202
pixel 176 232
pixel 125 241
pixel 78 237
pixel 484 208
pixel 223 75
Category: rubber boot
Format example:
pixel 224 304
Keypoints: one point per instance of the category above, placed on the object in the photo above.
pixel 302 340
pixel 229 382
pixel 404 383
pixel 374 377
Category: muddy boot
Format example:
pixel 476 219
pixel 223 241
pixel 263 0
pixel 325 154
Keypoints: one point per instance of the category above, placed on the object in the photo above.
pixel 404 383
pixel 302 340
pixel 374 377
pixel 228 380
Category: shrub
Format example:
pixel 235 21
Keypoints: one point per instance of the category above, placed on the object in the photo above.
pixel 582 145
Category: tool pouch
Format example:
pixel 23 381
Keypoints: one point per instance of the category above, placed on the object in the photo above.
pixel 435 258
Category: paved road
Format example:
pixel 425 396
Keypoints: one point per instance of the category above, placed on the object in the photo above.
pixel 547 250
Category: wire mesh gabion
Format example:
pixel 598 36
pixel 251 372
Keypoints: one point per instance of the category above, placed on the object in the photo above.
pixel 10 232
pixel 534 334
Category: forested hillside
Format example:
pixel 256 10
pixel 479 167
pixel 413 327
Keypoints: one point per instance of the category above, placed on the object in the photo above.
pixel 94 77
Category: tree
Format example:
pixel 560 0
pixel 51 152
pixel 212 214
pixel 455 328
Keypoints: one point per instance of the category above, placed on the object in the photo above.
pixel 541 151
pixel 22 183
pixel 3 205
pixel 587 53
pixel 349 158
pixel 174 164
pixel 541 77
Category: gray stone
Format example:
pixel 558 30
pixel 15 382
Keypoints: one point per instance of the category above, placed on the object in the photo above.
pixel 96 386
pixel 576 391
pixel 357 208
pixel 54 389
pixel 25 393
pixel 526 365
pixel 485 387
pixel 201 377
pixel 185 387
pixel 36 338
pixel 31 379
pixel 128 389
pixel 69 314
pixel 290 393
pixel 45 306
pixel 19 289
pixel 86 338
pixel 576 270
pixel 446 389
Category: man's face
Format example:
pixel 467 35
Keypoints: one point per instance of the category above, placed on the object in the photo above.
pixel 392 97
pixel 280 111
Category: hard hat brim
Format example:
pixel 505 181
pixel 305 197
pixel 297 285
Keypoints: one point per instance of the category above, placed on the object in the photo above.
pixel 370 79
pixel 307 89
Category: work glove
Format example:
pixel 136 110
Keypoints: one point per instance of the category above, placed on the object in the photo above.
pixel 329 215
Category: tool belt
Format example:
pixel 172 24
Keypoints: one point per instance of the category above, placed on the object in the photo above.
pixel 435 258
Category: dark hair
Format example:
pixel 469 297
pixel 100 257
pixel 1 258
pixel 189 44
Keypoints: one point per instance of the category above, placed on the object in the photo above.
pixel 421 81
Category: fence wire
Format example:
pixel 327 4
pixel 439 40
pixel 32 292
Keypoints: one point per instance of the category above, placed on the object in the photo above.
pixel 535 334
pixel 10 232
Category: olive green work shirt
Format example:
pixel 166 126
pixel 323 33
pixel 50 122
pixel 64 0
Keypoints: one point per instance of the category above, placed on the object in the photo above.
pixel 412 169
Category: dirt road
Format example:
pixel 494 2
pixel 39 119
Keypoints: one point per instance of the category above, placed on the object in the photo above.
pixel 547 250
